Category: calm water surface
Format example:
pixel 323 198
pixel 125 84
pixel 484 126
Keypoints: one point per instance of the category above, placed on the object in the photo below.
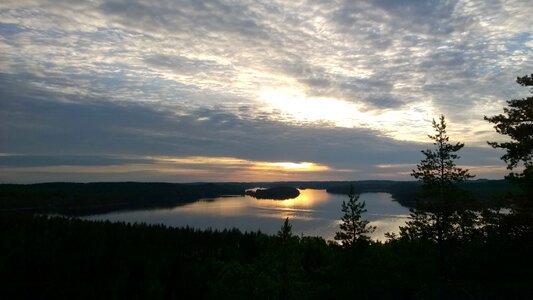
pixel 314 212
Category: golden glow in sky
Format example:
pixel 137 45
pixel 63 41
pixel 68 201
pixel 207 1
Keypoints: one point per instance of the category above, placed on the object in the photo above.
pixel 310 109
pixel 409 123
pixel 236 162
pixel 205 167
pixel 290 166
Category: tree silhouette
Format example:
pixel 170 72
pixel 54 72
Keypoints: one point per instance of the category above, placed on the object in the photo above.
pixel 353 227
pixel 440 214
pixel 285 259
pixel 517 123
pixel 438 170
pixel 285 232
pixel 440 176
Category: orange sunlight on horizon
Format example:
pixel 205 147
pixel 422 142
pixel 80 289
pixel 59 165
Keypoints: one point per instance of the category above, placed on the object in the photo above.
pixel 232 162
pixel 290 166
pixel 182 169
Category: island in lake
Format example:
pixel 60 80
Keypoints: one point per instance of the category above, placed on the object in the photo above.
pixel 276 193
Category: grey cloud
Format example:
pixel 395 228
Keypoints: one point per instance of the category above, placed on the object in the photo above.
pixel 67 160
pixel 374 92
pixel 384 101
pixel 444 59
pixel 40 127
pixel 190 15
pixel 184 65
pixel 85 132
pixel 431 17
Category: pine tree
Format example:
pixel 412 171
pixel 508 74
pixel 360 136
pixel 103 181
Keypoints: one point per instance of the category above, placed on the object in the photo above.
pixel 438 170
pixel 439 214
pixel 353 228
pixel 517 124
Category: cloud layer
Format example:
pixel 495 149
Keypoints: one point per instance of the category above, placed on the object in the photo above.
pixel 351 85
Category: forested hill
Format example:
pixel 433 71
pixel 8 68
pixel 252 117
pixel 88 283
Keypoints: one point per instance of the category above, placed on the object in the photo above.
pixel 56 258
pixel 91 198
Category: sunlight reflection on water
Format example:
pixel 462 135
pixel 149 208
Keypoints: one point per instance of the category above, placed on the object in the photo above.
pixel 314 212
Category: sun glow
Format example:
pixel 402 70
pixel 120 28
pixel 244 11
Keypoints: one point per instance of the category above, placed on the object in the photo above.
pixel 237 163
pixel 290 166
pixel 296 166
pixel 201 160
pixel 311 109
pixel 205 168
pixel 406 123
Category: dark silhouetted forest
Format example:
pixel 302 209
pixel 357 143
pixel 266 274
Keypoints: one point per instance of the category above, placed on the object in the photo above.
pixel 55 257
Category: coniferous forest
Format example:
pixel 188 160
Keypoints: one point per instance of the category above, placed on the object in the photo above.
pixel 454 246
pixel 59 258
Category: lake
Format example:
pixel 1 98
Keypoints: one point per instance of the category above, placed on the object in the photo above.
pixel 313 212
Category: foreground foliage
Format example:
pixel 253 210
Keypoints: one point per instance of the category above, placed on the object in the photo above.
pixel 517 123
pixel 43 257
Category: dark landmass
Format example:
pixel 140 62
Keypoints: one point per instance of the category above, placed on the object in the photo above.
pixel 275 193
pixel 65 258
pixel 93 198
pixel 405 192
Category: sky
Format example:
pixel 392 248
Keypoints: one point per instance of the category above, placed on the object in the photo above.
pixel 187 90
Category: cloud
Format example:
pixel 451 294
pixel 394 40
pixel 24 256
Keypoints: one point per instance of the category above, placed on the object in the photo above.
pixel 23 161
pixel 87 139
pixel 256 80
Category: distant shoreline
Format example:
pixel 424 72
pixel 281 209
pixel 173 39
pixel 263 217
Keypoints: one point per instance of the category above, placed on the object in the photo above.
pixel 101 197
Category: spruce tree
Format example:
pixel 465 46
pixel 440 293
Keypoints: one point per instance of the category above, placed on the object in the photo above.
pixel 440 216
pixel 440 213
pixel 353 228
pixel 438 170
